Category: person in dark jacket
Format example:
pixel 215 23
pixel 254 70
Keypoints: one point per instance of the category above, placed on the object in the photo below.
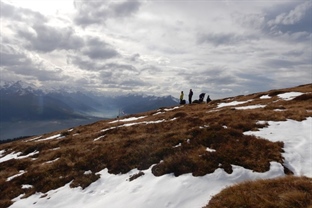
pixel 208 99
pixel 201 97
pixel 190 96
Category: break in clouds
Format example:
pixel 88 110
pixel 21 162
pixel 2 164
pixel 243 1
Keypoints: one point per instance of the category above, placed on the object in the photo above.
pixel 157 47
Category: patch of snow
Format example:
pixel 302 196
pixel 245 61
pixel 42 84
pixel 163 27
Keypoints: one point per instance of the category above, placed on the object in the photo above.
pixel 87 172
pixel 100 137
pixel 145 122
pixel 29 140
pixel 128 119
pixel 249 107
pixel 157 113
pixel 210 150
pixel 178 145
pixel 14 155
pixel 265 97
pixel 170 109
pixel 1 152
pixel 261 122
pixel 57 136
pixel 289 95
pixel 220 105
pixel 108 129
pixel 21 172
pixel 297 138
pixel 51 161
pixel 27 186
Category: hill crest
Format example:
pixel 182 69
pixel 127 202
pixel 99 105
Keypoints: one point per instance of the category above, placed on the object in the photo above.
pixel 198 139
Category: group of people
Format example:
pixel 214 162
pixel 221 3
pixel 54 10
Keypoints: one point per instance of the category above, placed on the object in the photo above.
pixel 190 95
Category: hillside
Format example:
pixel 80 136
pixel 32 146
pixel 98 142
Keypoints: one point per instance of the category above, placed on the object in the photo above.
pixel 170 157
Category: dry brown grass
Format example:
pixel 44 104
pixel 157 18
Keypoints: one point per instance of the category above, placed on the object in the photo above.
pixel 180 142
pixel 286 192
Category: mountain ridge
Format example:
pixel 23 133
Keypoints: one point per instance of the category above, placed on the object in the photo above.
pixel 25 103
pixel 18 98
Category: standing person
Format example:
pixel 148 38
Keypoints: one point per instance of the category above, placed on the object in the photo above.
pixel 190 96
pixel 208 99
pixel 181 97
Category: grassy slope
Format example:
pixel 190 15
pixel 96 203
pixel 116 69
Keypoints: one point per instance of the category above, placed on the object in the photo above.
pixel 180 141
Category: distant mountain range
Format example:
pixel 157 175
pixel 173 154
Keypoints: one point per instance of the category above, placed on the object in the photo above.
pixel 21 102
pixel 26 110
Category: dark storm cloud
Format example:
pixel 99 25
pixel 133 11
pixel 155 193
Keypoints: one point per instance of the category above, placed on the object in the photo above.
pixel 280 63
pixel 82 63
pixel 121 76
pixel 97 12
pixel 91 61
pixel 223 38
pixel 97 49
pixel 13 58
pixel 47 38
pixel 92 55
pixel 120 67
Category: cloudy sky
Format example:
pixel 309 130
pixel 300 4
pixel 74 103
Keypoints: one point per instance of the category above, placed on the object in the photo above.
pixel 158 47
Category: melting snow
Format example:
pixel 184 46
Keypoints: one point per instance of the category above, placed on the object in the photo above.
pixel 26 186
pixel 57 136
pixel 21 172
pixel 297 138
pixel 210 150
pixel 51 161
pixel 100 137
pixel 250 107
pixel 289 95
pixel 265 97
pixel 128 119
pixel 232 103
pixel 87 172
pixel 14 155
pixel 170 109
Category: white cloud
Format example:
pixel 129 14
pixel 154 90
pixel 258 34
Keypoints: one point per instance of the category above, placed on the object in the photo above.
pixel 158 47
pixel 293 16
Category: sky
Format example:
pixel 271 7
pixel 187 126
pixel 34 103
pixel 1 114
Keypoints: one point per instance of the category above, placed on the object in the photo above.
pixel 157 47
pixel 169 191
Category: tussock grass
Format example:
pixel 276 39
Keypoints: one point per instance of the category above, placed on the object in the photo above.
pixel 177 145
pixel 286 192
